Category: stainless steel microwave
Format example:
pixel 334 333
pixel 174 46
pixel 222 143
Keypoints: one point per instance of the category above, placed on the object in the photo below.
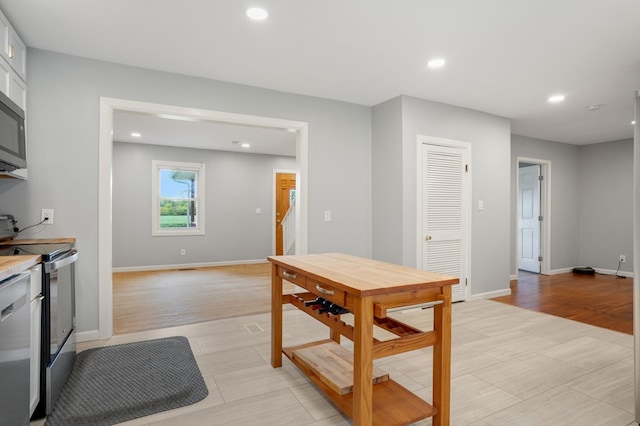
pixel 13 152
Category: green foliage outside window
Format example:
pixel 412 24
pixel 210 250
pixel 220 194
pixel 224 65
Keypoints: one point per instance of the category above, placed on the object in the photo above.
pixel 177 199
pixel 175 213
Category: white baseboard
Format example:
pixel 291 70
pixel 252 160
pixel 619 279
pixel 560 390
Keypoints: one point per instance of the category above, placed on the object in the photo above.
pixel 87 336
pixel 513 277
pixel 613 272
pixel 186 265
pixel 560 271
pixel 598 270
pixel 490 294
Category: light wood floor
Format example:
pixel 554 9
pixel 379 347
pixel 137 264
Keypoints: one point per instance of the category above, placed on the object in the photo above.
pixel 151 300
pixel 158 299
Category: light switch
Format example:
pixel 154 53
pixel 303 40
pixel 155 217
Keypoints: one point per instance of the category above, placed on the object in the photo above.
pixel 480 205
pixel 258 210
pixel 327 215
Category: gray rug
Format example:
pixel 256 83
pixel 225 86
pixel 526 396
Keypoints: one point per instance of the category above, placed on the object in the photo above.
pixel 114 384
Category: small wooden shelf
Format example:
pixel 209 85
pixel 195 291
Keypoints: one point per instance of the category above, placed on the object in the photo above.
pixel 333 364
pixel 392 403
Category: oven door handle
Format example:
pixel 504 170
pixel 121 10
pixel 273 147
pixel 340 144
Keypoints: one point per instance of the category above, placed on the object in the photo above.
pixel 67 260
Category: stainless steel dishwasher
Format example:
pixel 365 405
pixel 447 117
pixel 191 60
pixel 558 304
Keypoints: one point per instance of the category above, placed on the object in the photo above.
pixel 14 350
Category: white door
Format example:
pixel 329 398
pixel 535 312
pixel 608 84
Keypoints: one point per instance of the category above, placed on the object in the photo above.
pixel 529 218
pixel 445 212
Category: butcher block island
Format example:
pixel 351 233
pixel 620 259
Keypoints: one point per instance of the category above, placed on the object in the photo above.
pixel 335 284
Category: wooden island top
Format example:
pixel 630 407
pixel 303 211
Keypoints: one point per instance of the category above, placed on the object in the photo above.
pixel 360 276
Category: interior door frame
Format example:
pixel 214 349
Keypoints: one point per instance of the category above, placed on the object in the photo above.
pixel 531 263
pixel 545 212
pixel 466 214
pixel 273 210
pixel 105 160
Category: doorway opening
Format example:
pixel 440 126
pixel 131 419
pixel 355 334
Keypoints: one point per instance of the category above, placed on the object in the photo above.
pixel 533 215
pixel 107 108
pixel 284 203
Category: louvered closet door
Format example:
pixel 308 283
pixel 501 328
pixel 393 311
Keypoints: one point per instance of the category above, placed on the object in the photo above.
pixel 443 227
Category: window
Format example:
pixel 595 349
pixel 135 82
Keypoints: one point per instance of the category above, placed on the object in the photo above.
pixel 178 198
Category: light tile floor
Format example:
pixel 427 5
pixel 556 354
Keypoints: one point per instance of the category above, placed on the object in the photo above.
pixel 510 366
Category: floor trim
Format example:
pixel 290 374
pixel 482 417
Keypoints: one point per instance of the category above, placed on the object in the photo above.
pixel 187 265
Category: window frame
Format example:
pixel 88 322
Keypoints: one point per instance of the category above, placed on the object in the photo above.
pixel 199 169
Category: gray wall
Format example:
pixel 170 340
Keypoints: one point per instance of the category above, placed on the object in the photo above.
pixel 591 202
pixel 236 184
pixel 62 131
pixel 606 205
pixel 386 181
pixel 489 136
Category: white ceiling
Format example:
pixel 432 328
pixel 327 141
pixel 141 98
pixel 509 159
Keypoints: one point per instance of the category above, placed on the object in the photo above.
pixel 202 134
pixel 504 57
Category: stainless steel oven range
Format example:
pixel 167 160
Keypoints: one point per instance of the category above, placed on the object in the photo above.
pixel 58 317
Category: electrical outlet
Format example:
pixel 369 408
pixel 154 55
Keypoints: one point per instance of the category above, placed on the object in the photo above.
pixel 183 252
pixel 47 216
pixel 623 258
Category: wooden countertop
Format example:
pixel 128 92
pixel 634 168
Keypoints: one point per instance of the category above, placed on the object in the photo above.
pixel 65 240
pixel 11 265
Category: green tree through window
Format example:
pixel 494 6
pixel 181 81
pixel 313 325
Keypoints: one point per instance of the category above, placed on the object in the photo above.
pixel 178 207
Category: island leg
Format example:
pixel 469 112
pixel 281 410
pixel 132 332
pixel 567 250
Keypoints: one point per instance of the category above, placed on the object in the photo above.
pixel 363 362
pixel 442 359
pixel 276 318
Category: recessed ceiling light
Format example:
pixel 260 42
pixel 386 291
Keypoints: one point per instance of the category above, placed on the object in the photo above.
pixel 594 107
pixel 246 145
pixel 136 134
pixel 436 63
pixel 633 122
pixel 556 99
pixel 257 13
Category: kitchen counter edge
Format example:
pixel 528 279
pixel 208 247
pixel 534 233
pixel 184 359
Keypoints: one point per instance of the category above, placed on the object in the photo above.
pixel 12 265
pixel 66 240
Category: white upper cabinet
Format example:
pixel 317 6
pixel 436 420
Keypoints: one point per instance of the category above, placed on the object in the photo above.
pixel 5 30
pixel 17 52
pixel 13 63
pixel 6 75
pixel 18 91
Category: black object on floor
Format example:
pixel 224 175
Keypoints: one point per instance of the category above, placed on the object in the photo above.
pixel 117 383
pixel 586 270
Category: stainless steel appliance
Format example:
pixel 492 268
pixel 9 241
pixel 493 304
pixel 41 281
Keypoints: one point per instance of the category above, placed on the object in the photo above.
pixel 58 317
pixel 13 152
pixel 15 355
